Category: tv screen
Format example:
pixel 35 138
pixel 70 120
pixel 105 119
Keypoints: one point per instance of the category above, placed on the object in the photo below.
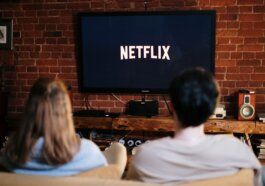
pixel 142 52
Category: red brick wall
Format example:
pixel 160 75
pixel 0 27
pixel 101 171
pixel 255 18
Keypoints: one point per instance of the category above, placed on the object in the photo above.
pixel 45 38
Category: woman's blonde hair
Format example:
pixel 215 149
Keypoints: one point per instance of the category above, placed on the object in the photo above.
pixel 48 114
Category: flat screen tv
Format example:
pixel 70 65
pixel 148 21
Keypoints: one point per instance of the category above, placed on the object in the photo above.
pixel 142 51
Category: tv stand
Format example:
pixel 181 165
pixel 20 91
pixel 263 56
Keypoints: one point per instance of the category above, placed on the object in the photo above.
pixel 89 113
pixel 95 113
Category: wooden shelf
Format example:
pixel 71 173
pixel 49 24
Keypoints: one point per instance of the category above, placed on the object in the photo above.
pixel 167 124
pixel 157 124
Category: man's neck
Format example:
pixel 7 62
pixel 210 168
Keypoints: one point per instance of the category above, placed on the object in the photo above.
pixel 190 135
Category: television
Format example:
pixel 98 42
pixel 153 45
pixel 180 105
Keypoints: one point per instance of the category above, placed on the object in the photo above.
pixel 141 52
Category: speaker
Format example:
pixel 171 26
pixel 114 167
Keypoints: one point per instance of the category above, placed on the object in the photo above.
pixel 146 108
pixel 246 105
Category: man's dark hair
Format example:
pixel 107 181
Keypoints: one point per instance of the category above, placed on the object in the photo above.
pixel 194 96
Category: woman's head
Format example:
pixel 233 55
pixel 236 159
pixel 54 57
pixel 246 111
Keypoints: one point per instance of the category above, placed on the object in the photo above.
pixel 194 95
pixel 48 115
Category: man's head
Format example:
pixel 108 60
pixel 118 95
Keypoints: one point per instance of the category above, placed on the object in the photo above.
pixel 194 95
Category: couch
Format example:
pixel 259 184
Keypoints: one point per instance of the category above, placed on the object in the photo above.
pixel 110 175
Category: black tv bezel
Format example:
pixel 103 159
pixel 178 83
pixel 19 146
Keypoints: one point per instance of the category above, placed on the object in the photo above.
pixel 84 89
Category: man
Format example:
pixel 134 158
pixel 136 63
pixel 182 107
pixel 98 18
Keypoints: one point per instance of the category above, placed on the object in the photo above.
pixel 191 154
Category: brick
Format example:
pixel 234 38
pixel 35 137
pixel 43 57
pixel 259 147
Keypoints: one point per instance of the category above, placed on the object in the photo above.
pixel 260 55
pixel 248 55
pixel 26 20
pixel 229 84
pixel 191 3
pixel 261 40
pixel 20 68
pixel 223 55
pixel 236 55
pixel 45 55
pixel 52 48
pixel 250 17
pixel 28 27
pixel 249 2
pixel 54 6
pixel 260 98
pixel 27 40
pixel 67 69
pixel 222 63
pixel 67 55
pixel 46 62
pixel 232 69
pixel 250 47
pixel 43 69
pixel 260 77
pixel 222 40
pixel 23 54
pixel 50 41
pixel 221 25
pixel 67 76
pixel 56 54
pixel 103 97
pixel 238 76
pixel 232 25
pixel 61 26
pixel 62 40
pixel 259 25
pixel 219 76
pixel 52 34
pixel 27 75
pixel 242 84
pixel 222 3
pixel 55 69
pixel 250 33
pixel 232 9
pixel 255 84
pixel 54 20
pixel 248 63
pixel 27 62
pixel 246 9
pixel 226 33
pixel 259 69
pixel 102 104
pixel 246 69
pixel 32 7
pixel 227 17
pixel 225 47
pixel 250 40
pixel 32 69
pixel 259 9
pixel 170 3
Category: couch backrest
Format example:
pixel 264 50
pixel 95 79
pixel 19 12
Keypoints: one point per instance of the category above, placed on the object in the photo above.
pixel 9 179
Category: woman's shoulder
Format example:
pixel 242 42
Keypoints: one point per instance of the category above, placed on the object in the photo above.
pixel 89 151
pixel 88 146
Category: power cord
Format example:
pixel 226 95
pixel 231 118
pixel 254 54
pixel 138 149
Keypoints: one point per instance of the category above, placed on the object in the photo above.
pixel 170 112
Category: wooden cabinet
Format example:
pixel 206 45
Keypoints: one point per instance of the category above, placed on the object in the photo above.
pixel 166 124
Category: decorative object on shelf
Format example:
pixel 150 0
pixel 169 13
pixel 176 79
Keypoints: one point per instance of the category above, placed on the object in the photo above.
pixel 6 34
pixel 261 117
pixel 246 105
pixel 219 112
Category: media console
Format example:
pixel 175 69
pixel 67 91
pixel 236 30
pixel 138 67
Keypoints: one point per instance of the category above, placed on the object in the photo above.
pixel 166 124
pixel 154 124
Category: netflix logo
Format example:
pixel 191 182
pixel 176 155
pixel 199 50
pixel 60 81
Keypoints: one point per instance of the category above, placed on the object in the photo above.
pixel 145 52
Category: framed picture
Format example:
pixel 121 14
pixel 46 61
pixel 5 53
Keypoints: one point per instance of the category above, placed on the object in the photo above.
pixel 6 34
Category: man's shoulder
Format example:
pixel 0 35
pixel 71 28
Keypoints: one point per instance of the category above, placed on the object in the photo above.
pixel 153 146
pixel 225 138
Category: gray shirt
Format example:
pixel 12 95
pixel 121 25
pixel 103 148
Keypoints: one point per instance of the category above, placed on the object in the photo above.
pixel 167 160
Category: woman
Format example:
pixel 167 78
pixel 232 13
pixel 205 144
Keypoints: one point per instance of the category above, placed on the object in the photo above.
pixel 46 142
